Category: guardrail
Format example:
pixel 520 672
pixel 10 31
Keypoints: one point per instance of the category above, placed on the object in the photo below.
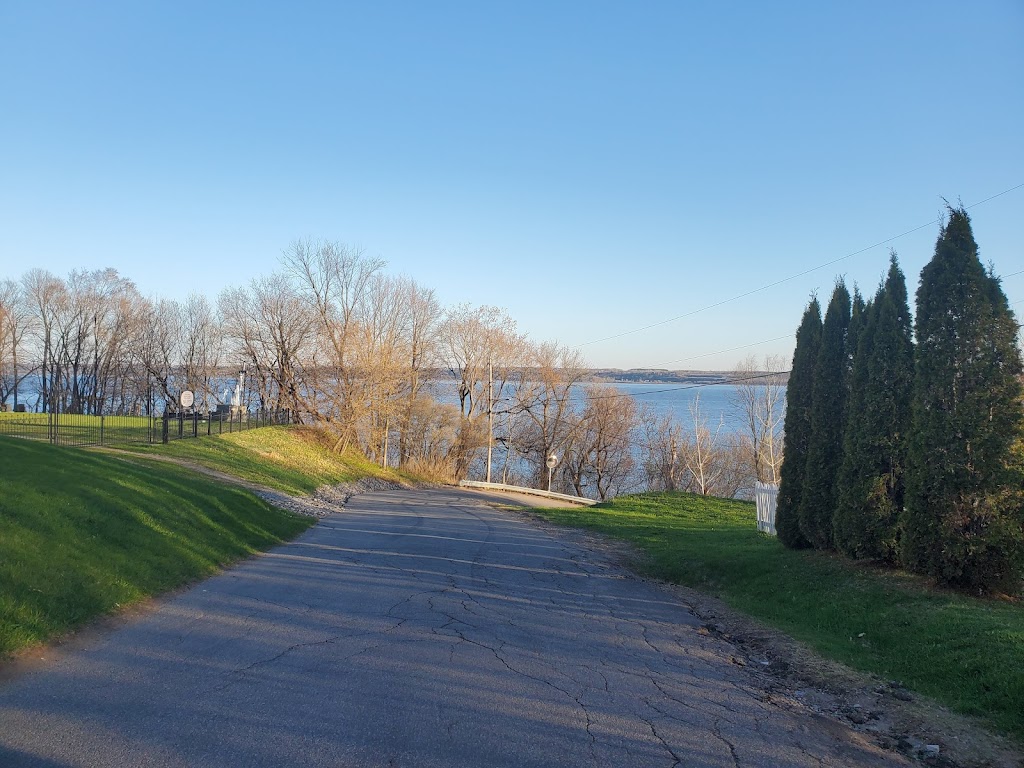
pixel 531 491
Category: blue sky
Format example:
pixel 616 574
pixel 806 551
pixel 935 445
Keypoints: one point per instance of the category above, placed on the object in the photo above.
pixel 592 167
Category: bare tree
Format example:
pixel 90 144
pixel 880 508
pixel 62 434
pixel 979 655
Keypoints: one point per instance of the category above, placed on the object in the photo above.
pixel 423 352
pixel 381 357
pixel 270 327
pixel 546 399
pixel 483 352
pixel 702 458
pixel 599 455
pixel 15 323
pixel 200 348
pixel 156 349
pixel 45 292
pixel 663 446
pixel 760 399
pixel 333 280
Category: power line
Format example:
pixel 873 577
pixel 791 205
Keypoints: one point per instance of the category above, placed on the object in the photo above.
pixel 791 277
pixel 1012 274
pixel 723 351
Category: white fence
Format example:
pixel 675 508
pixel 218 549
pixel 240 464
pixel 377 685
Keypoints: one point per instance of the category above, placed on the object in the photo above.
pixel 765 494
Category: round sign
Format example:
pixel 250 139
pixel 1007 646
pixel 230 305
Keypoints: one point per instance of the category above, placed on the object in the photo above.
pixel 552 460
pixel 187 398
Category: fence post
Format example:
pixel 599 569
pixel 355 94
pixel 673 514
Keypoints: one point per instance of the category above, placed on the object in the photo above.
pixel 166 436
pixel 102 417
pixel 195 423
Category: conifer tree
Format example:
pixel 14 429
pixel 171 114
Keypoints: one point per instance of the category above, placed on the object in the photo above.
pixel 828 418
pixel 797 428
pixel 871 481
pixel 847 519
pixel 964 518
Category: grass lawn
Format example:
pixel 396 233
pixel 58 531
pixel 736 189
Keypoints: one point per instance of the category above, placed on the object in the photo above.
pixel 79 429
pixel 290 459
pixel 83 533
pixel 966 653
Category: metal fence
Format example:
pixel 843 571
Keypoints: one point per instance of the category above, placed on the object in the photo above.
pixel 80 430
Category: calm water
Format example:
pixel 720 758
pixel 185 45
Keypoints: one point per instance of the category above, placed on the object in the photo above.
pixel 716 402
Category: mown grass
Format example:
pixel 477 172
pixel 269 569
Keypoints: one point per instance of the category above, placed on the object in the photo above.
pixel 83 533
pixel 294 460
pixel 964 652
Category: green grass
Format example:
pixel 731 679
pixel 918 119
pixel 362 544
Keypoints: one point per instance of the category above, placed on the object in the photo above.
pixel 290 459
pixel 966 653
pixel 83 533
pixel 79 429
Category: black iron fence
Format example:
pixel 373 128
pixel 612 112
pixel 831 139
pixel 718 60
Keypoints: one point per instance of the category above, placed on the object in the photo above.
pixel 81 430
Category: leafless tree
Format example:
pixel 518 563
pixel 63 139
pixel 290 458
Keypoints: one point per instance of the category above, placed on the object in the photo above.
pixel 83 332
pixel 200 349
pixel 483 353
pixel 423 353
pixel 663 446
pixel 599 456
pixel 156 349
pixel 545 398
pixel 270 327
pixel 44 292
pixel 333 281
pixel 760 399
pixel 702 458
pixel 15 322
pixel 431 435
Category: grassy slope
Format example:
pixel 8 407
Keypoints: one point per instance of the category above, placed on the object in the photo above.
pixel 966 653
pixel 291 459
pixel 82 533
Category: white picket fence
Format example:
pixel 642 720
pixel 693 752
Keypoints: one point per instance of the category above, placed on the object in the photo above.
pixel 765 494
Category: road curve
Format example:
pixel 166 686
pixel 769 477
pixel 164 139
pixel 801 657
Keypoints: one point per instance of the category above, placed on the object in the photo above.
pixel 414 628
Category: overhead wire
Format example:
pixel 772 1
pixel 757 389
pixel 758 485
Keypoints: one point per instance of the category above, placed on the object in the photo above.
pixel 722 351
pixel 790 277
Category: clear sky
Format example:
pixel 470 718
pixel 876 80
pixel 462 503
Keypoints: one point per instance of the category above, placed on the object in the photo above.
pixel 593 167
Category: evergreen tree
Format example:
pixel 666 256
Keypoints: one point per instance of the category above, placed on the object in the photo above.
pixel 871 480
pixel 964 518
pixel 797 428
pixel 828 417
pixel 846 521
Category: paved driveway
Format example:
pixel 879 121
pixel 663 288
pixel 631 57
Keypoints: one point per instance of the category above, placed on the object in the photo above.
pixel 415 628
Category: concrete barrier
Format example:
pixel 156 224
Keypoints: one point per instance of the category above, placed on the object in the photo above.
pixel 532 491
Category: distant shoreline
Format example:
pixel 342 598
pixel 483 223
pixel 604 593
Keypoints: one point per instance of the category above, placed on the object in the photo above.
pixel 641 376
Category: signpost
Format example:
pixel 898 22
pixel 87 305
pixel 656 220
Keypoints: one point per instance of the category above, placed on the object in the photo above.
pixel 551 462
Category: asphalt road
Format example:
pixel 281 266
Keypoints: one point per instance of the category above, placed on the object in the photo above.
pixel 415 628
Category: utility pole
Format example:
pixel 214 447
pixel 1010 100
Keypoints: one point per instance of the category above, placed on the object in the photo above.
pixel 490 415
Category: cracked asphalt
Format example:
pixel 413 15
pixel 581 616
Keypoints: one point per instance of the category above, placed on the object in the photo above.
pixel 414 628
